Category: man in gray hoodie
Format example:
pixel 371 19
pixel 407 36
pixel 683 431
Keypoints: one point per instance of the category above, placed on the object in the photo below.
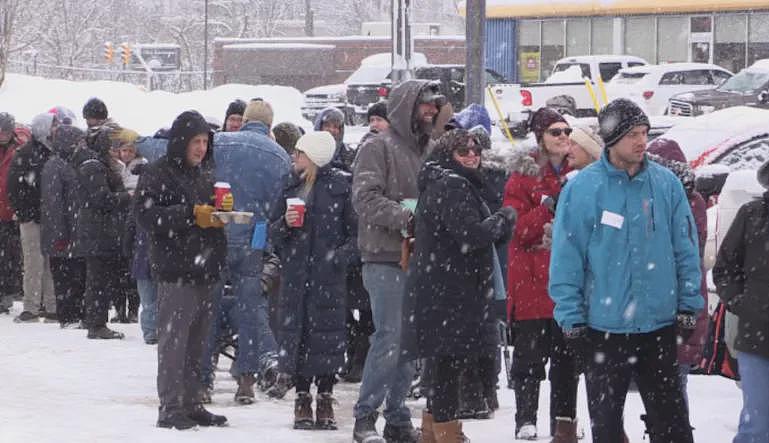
pixel 384 178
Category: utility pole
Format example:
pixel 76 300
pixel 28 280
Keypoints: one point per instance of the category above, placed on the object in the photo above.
pixel 205 46
pixel 475 50
pixel 403 43
pixel 309 19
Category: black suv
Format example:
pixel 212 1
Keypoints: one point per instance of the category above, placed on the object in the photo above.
pixel 750 87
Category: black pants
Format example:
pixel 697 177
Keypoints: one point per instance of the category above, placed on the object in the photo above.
pixel 651 358
pixel 478 381
pixel 128 296
pixel 103 283
pixel 69 276
pixel 536 342
pixel 358 333
pixel 325 383
pixel 10 260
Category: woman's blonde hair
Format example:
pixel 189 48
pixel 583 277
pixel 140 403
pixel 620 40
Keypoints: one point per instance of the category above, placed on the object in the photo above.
pixel 309 175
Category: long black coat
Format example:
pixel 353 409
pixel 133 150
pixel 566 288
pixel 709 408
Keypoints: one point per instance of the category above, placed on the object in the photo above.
pixel 24 180
pixel 741 274
pixel 180 251
pixel 450 279
pixel 103 206
pixel 311 304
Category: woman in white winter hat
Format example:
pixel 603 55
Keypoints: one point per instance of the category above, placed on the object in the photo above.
pixel 316 241
pixel 586 147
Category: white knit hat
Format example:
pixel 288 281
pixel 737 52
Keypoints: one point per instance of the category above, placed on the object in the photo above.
pixel 319 146
pixel 587 139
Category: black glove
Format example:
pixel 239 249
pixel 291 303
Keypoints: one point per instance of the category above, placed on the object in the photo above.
pixel 139 168
pixel 686 322
pixel 508 213
pixel 578 344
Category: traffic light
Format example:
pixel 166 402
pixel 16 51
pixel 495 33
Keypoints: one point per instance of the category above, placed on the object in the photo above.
pixel 125 53
pixel 109 52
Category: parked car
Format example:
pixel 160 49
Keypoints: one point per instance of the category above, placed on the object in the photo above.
pixel 316 99
pixel 652 86
pixel 517 102
pixel 750 87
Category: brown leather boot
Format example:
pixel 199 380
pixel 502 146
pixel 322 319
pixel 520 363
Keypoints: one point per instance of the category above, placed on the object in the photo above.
pixel 428 434
pixel 324 413
pixel 449 432
pixel 565 430
pixel 245 393
pixel 303 418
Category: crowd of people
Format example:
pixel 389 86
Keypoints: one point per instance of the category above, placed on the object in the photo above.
pixel 392 262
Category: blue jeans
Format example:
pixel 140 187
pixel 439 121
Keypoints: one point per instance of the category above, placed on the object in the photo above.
pixel 148 296
pixel 754 418
pixel 256 342
pixel 384 374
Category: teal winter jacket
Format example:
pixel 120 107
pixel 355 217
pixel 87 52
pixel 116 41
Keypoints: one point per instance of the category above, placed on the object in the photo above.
pixel 625 256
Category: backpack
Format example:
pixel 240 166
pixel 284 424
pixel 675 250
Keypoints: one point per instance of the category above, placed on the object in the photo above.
pixel 716 358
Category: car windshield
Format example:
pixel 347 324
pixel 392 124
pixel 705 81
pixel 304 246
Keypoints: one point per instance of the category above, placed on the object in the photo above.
pixel 584 67
pixel 369 75
pixel 745 82
pixel 628 78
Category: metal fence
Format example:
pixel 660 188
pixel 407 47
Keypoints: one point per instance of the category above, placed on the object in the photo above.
pixel 171 81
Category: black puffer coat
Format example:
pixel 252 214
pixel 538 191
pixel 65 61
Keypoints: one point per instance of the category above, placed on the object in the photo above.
pixel 180 251
pixel 311 306
pixel 741 275
pixel 104 202
pixel 450 279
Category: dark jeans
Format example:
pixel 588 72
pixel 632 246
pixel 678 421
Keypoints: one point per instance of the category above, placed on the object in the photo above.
pixel 184 319
pixel 103 283
pixel 10 261
pixel 325 383
pixel 444 386
pixel 69 276
pixel 128 296
pixel 651 359
pixel 536 342
pixel 358 332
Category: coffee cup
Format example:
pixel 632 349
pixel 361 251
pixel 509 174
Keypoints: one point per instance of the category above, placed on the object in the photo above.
pixel 297 204
pixel 221 189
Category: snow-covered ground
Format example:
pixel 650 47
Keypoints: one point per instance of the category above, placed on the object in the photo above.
pixel 58 386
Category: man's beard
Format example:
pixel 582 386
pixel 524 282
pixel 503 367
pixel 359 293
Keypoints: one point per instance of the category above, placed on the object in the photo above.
pixel 426 127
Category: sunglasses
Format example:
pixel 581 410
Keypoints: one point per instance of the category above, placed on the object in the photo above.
pixel 556 132
pixel 465 151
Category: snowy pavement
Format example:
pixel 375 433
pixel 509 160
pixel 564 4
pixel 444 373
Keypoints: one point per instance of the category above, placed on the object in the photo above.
pixel 59 386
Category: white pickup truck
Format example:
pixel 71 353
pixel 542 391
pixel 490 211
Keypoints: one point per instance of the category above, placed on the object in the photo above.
pixel 518 101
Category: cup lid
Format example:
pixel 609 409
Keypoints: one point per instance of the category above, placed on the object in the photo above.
pixel 221 185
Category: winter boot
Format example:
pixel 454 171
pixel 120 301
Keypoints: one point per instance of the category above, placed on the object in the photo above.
pixel 365 430
pixel 281 387
pixel 526 405
pixel 449 432
pixel 177 421
pixel 104 333
pixel 245 392
pixel 428 436
pixel 27 317
pixel 324 412
pixel 405 433
pixel 203 417
pixel 528 431
pixel 565 430
pixel 303 417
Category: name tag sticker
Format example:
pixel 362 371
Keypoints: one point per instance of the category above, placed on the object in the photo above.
pixel 612 219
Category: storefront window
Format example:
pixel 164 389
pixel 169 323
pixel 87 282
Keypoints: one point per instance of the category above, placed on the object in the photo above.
pixel 529 54
pixel 758 46
pixel 602 35
pixel 552 45
pixel 673 38
pixel 637 41
pixel 577 36
pixel 729 50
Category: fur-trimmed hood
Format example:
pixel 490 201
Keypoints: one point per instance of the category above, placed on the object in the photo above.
pixel 508 159
pixel 523 160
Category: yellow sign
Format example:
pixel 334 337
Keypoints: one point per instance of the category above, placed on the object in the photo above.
pixel 529 64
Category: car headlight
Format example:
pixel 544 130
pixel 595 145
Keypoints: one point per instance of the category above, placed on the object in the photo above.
pixel 707 109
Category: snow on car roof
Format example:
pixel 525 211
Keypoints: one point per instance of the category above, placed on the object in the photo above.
pixel 667 67
pixel 601 58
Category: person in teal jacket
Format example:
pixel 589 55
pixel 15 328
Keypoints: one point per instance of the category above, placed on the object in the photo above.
pixel 625 278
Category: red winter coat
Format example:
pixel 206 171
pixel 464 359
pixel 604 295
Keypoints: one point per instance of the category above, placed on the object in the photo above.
pixel 6 155
pixel 529 260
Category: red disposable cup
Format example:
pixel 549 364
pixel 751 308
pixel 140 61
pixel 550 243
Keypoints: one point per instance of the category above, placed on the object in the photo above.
pixel 220 190
pixel 297 204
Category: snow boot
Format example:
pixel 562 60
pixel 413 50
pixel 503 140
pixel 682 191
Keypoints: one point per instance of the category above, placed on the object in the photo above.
pixel 303 418
pixel 324 412
pixel 203 417
pixel 405 433
pixel 245 392
pixel 428 434
pixel 565 430
pixel 27 317
pixel 177 421
pixel 104 333
pixel 526 432
pixel 449 432
pixel 281 387
pixel 365 430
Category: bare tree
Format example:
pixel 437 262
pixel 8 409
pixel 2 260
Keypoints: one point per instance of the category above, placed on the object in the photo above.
pixel 10 10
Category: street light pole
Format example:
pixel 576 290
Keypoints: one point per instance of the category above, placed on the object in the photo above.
pixel 205 46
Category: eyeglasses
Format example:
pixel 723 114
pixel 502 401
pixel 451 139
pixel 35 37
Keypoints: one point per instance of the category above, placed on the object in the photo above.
pixel 556 132
pixel 465 151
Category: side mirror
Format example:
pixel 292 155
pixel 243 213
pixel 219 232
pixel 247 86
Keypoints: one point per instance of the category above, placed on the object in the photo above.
pixel 763 97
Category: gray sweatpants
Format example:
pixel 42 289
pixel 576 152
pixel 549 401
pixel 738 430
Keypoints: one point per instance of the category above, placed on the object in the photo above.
pixel 184 319
pixel 38 283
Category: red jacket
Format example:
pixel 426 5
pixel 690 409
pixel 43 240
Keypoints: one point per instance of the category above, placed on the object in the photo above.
pixel 528 259
pixel 6 155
